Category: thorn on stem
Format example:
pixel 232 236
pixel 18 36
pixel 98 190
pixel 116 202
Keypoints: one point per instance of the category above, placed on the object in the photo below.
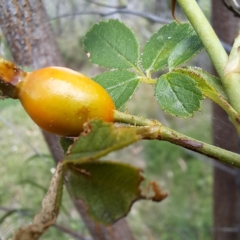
pixel 173 10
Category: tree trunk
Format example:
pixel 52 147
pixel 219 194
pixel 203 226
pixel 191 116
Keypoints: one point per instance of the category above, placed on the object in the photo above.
pixel 226 196
pixel 32 43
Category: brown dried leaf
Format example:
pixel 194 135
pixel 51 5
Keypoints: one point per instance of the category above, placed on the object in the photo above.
pixel 49 211
pixel 153 192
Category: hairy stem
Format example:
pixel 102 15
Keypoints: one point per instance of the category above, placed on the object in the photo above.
pixel 200 147
pixel 207 35
pixel 156 130
pixel 217 54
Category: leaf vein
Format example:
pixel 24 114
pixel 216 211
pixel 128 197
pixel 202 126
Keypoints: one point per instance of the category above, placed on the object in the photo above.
pixel 113 47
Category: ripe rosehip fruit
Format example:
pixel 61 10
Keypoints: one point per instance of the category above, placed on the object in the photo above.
pixel 60 100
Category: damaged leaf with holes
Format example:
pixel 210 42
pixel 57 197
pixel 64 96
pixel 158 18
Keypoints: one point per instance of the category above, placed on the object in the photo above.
pixel 98 139
pixel 49 211
pixel 107 188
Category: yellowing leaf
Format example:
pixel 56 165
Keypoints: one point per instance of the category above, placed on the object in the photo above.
pixel 99 139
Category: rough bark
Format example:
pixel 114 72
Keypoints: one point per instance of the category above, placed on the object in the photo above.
pixel 25 25
pixel 226 209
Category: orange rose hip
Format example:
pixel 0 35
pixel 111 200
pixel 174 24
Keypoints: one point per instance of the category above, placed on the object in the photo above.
pixel 60 100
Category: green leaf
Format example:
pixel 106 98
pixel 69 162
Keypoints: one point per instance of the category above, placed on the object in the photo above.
pixel 172 45
pixel 184 51
pixel 65 142
pixel 112 44
pixel 120 84
pixel 108 189
pixel 100 139
pixel 208 83
pixel 178 94
pixel 211 87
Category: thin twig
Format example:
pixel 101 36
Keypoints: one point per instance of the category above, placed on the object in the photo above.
pixel 9 209
pixel 148 16
pixel 106 5
pixel 26 211
pixel 71 232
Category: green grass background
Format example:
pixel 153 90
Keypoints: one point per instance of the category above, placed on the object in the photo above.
pixel 185 214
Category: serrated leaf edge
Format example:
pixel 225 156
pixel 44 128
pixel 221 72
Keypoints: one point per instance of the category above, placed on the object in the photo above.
pixel 191 70
pixel 172 68
pixel 191 114
pixel 137 78
pixel 149 70
pixel 115 20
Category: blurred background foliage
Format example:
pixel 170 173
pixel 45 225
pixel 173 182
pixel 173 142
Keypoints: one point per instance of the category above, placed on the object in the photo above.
pixel 27 167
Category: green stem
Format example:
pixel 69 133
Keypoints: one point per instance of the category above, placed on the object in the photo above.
pixel 217 153
pixel 232 88
pixel 133 120
pixel 148 80
pixel 156 130
pixel 232 76
pixel 139 71
pixel 207 35
pixel 229 78
pixel 232 113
